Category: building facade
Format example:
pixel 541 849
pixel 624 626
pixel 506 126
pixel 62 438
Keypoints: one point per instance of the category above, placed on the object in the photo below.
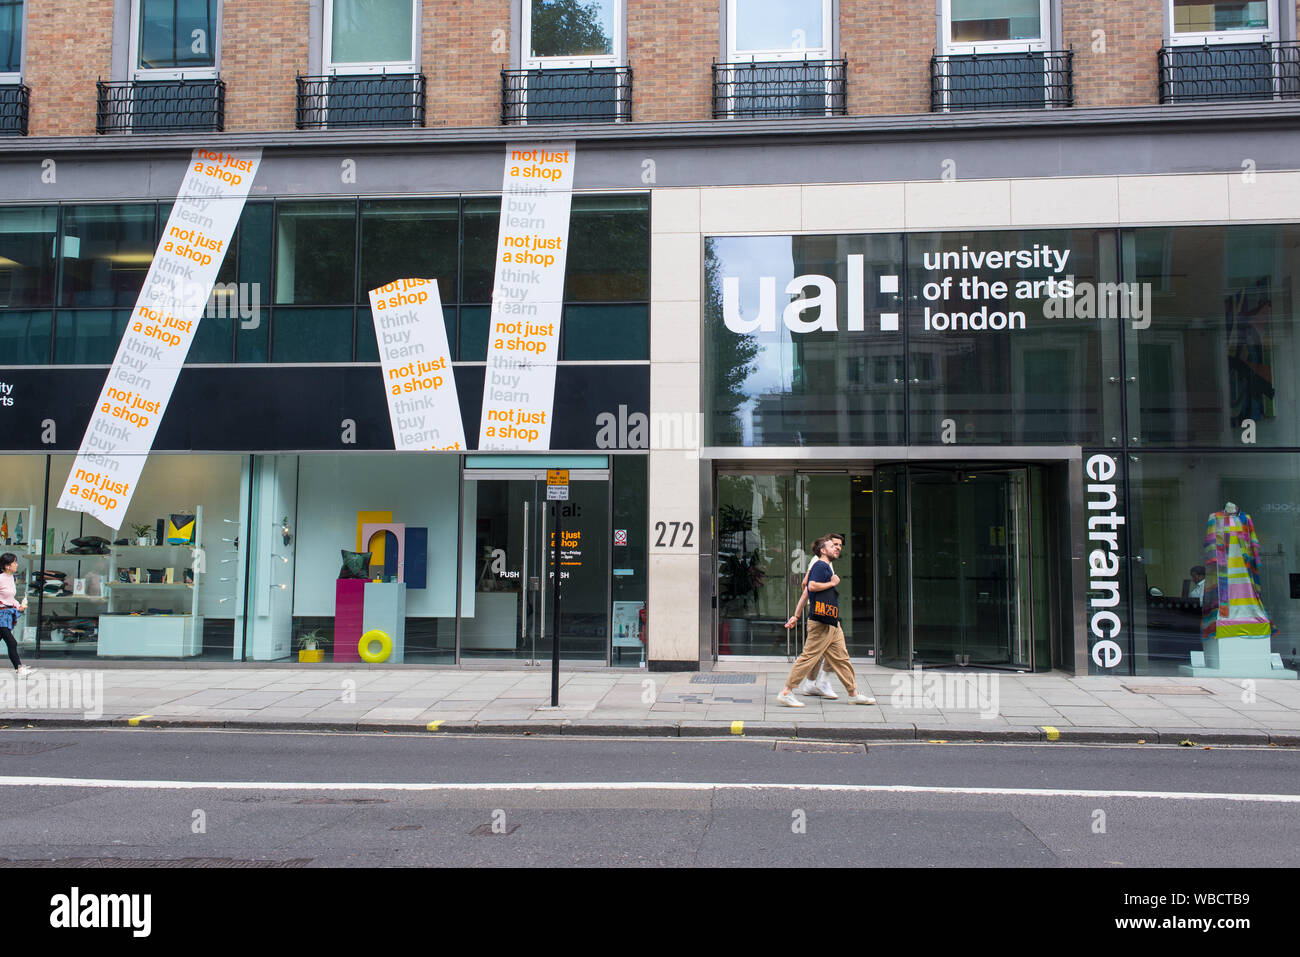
pixel 1001 290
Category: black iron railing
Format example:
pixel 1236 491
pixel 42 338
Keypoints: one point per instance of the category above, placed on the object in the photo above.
pixel 1032 80
pixel 385 99
pixel 1245 71
pixel 598 94
pixel 785 88
pixel 160 106
pixel 15 99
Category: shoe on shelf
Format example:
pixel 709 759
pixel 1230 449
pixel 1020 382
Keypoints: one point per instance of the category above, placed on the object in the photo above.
pixel 860 698
pixel 824 688
pixel 789 700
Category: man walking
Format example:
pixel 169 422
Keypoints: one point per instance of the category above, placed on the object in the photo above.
pixel 818 682
pixel 825 637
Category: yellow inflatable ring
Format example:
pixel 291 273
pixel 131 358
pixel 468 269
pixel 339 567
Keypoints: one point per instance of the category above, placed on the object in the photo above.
pixel 385 646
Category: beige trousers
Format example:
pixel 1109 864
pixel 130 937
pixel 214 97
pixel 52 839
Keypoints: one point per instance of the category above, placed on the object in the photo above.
pixel 824 640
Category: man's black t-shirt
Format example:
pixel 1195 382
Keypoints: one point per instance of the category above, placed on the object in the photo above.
pixel 823 606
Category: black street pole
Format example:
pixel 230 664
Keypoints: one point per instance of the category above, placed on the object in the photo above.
pixel 555 615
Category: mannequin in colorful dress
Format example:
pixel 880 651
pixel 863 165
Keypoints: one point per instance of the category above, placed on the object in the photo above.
pixel 1232 606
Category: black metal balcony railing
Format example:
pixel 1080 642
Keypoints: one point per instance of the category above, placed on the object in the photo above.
pixel 785 88
pixel 597 94
pixel 386 99
pixel 1002 81
pixel 15 100
pixel 1247 71
pixel 160 106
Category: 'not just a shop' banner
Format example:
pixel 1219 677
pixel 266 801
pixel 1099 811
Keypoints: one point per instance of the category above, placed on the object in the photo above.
pixel 416 362
pixel 158 336
pixel 527 296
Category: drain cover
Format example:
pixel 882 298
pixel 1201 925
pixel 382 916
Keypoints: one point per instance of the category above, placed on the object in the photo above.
pixel 147 862
pixel 820 747
pixel 713 678
pixel 1167 689
pixel 31 747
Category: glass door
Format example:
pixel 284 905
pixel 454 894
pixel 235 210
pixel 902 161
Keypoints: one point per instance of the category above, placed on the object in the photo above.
pixel 953 577
pixel 839 503
pixel 756 563
pixel 512 614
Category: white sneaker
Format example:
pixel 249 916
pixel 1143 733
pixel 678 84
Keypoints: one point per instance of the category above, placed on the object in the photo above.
pixel 824 688
pixel 860 698
pixel 808 687
pixel 789 700
pixel 23 671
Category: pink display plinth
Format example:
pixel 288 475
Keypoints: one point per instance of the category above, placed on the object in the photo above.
pixel 349 600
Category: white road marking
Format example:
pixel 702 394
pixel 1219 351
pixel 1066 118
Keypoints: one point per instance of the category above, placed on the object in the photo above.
pixel 20 781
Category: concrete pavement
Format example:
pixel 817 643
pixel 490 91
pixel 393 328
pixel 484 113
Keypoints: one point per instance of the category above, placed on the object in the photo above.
pixel 734 698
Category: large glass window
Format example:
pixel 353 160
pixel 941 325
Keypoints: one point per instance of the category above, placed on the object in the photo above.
pixel 1209 366
pixel 174 35
pixel 106 252
pixel 1223 20
pixel 796 350
pixel 571 32
pixel 11 36
pixel 778 29
pixel 371 35
pixel 1217 540
pixel 27 256
pixel 995 21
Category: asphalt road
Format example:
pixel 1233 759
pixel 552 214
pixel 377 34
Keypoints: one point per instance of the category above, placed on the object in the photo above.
pixel 73 798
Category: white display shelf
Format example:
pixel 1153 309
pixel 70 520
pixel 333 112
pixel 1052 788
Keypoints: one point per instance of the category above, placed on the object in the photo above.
pixel 178 635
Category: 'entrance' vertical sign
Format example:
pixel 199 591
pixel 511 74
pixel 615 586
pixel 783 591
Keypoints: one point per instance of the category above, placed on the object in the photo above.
pixel 527 297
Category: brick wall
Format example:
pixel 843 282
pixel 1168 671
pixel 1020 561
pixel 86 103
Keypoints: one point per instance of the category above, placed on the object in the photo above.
pixel 264 46
pixel 69 46
pixel 671 49
pixel 466 45
pixel 888 44
pixel 1125 72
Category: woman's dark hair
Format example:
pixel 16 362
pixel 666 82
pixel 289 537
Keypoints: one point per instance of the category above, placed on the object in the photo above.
pixel 7 559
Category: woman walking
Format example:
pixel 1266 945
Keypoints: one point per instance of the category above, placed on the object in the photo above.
pixel 10 609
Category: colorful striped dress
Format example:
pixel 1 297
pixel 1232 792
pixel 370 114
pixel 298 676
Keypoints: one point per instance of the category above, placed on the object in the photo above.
pixel 1232 606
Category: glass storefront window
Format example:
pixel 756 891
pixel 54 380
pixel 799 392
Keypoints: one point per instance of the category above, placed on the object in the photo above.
pixel 27 256
pixel 1207 369
pixel 826 375
pixel 1211 583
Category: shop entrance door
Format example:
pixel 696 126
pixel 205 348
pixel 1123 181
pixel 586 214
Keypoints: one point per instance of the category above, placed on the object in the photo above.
pixel 766 523
pixel 512 614
pixel 955 586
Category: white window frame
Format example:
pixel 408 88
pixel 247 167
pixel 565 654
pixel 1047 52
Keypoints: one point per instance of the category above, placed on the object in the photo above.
pixel 1044 41
pixel 823 52
pixel 330 68
pixel 529 62
pixel 137 72
pixel 11 78
pixel 1213 37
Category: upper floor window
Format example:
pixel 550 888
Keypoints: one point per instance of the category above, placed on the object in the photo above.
pixel 11 39
pixel 173 38
pixel 778 30
pixel 570 33
pixel 995 26
pixel 371 36
pixel 1222 21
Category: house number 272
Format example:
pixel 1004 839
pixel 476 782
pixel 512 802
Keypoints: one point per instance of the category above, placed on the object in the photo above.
pixel 685 529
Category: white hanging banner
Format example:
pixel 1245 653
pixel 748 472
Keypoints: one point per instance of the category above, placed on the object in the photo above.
pixel 176 290
pixel 416 362
pixel 527 296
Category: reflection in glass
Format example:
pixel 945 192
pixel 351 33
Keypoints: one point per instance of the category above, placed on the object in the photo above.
pixel 571 28
pixel 315 253
pixel 27 255
pixel 974 21
pixel 371 31
pixel 403 239
pixel 752 565
pixel 106 252
pixel 176 33
pixel 1209 16
pixel 775 25
pixel 11 36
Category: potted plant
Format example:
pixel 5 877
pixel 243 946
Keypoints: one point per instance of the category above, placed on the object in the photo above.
pixel 311 646
pixel 142 536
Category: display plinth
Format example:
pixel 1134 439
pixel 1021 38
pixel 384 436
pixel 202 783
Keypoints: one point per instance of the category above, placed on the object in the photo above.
pixel 385 610
pixel 150 636
pixel 349 600
pixel 1237 658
